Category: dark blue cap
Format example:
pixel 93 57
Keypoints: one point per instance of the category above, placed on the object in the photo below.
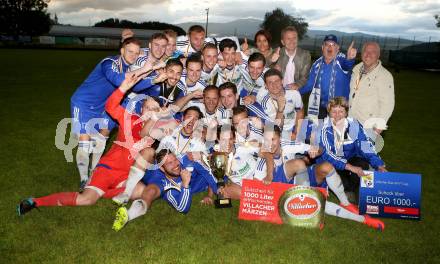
pixel 331 37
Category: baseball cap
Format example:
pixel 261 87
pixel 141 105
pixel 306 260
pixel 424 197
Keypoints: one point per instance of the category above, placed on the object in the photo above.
pixel 331 37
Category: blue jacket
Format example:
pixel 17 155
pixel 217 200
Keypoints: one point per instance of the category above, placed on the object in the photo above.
pixel 356 144
pixel 102 81
pixel 178 197
pixel 322 73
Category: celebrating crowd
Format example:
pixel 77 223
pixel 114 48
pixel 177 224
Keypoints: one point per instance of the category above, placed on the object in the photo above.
pixel 183 98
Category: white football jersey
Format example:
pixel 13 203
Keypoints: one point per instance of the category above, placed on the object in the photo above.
pixel 209 77
pixel 293 104
pixel 180 144
pixel 199 85
pixel 254 134
pixel 242 164
pixel 221 115
pixel 230 75
pixel 183 45
pixel 252 86
pixel 261 169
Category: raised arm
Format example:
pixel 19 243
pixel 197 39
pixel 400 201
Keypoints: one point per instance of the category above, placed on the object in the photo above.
pixel 181 102
pixel 205 172
pixel 308 86
pixel 113 107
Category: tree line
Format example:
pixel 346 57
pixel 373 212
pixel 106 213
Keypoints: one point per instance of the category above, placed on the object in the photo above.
pixel 154 25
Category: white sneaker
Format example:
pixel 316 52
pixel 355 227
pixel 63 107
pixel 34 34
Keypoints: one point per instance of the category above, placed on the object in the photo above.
pixel 121 199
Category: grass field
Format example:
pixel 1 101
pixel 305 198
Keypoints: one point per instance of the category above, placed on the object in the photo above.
pixel 35 91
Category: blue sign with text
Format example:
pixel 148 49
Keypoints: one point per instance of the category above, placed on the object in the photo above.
pixel 391 194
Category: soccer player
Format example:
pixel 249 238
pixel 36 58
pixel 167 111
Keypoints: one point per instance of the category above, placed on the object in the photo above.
pixel 167 87
pixel 229 69
pixel 210 108
pixel 252 88
pixel 242 160
pixel 186 136
pixel 171 51
pixel 210 67
pixel 249 130
pixel 152 56
pixel 191 79
pixel 159 49
pixel 193 42
pixel 318 175
pixel 130 154
pixel 175 181
pixel 284 106
pixel 87 103
pixel 229 100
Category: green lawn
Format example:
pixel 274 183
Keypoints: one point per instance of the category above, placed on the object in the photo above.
pixel 35 91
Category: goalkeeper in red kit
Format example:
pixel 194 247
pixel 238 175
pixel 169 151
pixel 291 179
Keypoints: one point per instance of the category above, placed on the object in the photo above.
pixel 129 156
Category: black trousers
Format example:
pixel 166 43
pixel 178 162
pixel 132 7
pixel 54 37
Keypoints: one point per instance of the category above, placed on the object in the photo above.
pixel 350 180
pixel 322 112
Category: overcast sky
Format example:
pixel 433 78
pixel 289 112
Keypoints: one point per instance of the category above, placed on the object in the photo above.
pixel 384 17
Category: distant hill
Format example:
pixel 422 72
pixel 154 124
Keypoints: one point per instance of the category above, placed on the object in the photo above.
pixel 241 27
pixel 247 28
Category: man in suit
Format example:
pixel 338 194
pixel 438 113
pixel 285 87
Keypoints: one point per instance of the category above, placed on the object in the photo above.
pixel 293 62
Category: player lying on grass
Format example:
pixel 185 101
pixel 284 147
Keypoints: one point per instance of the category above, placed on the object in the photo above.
pixel 296 172
pixel 175 181
pixel 130 154
pixel 181 140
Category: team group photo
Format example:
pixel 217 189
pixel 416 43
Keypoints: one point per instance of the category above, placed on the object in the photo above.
pixel 196 145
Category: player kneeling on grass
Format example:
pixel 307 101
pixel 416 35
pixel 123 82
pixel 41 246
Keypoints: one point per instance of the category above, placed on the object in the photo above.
pixel 175 181
pixel 129 155
pixel 318 175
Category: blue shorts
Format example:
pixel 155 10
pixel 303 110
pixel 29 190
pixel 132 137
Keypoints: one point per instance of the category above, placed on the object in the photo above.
pixel 312 178
pixel 156 178
pixel 86 120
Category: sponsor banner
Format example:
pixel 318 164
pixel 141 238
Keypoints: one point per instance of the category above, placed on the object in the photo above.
pixel 391 194
pixel 47 40
pixel 280 203
pixel 95 41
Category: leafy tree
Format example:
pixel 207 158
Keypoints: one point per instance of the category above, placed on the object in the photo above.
pixel 276 20
pixel 24 17
pixel 155 25
pixel 437 17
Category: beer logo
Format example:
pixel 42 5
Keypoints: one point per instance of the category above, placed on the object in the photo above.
pixel 302 206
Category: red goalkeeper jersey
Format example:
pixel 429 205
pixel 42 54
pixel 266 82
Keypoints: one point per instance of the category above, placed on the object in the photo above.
pixel 128 141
